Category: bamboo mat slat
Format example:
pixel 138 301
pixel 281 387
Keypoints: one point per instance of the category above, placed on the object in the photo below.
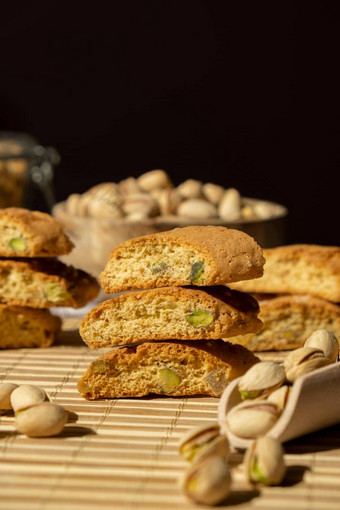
pixel 122 454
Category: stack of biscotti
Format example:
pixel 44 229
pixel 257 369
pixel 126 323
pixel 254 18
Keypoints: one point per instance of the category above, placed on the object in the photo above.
pixel 32 279
pixel 171 311
pixel 298 294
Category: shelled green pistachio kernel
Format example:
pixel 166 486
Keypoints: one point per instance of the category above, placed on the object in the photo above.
pixel 200 318
pixel 326 341
pixel 41 420
pixel 196 271
pixel 303 361
pixel 27 395
pixel 252 418
pixel 18 244
pixel 158 267
pixel 6 390
pixel 100 366
pixel 55 293
pixel 261 379
pixel 264 461
pixel 168 379
pixel 208 481
pixel 200 442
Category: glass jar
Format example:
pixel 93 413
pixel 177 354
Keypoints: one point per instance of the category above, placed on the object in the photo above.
pixel 26 172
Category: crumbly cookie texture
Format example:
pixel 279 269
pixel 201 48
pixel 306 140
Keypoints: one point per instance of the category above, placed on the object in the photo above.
pixel 27 327
pixel 166 368
pixel 44 283
pixel 195 255
pixel 181 313
pixel 25 233
pixel 299 269
pixel 289 320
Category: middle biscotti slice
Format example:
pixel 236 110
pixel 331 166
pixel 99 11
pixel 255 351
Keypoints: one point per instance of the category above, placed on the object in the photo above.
pixel 195 255
pixel 182 313
pixel 44 283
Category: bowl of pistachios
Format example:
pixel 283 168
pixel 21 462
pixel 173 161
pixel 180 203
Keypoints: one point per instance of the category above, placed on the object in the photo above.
pixel 112 212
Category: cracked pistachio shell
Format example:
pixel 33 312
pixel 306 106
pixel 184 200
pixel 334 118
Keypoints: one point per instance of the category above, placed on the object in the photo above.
pixel 27 395
pixel 261 379
pixel 207 482
pixel 303 361
pixel 6 390
pixel 280 397
pixel 203 441
pixel 264 461
pixel 252 418
pixel 326 341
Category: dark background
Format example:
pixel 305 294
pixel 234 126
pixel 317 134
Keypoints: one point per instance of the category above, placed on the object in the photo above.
pixel 243 94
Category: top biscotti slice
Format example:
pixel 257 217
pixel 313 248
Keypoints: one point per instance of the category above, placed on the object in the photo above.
pixel 299 269
pixel 196 255
pixel 44 283
pixel 25 233
pixel 182 313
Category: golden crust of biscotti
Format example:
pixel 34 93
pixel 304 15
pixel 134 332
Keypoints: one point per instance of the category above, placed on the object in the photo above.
pixel 288 321
pixel 27 327
pixel 194 255
pixel 44 283
pixel 25 233
pixel 166 368
pixel 299 269
pixel 181 313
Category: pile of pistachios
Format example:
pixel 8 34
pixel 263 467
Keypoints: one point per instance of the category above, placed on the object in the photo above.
pixel 35 414
pixel 153 194
pixel 264 390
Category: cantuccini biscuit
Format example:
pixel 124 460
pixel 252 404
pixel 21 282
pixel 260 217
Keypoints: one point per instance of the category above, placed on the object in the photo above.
pixel 25 233
pixel 195 255
pixel 44 283
pixel 289 320
pixel 166 368
pixel 27 327
pixel 299 269
pixel 181 313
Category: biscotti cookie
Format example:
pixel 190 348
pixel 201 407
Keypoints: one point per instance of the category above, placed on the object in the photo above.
pixel 299 269
pixel 181 313
pixel 166 368
pixel 43 283
pixel 289 320
pixel 196 255
pixel 25 233
pixel 27 327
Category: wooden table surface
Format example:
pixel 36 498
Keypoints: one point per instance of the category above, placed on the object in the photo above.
pixel 122 454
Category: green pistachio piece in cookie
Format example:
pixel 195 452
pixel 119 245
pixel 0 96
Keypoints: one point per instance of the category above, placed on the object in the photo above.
pixel 200 318
pixel 18 244
pixel 158 267
pixel 55 293
pixel 196 272
pixel 100 366
pixel 168 380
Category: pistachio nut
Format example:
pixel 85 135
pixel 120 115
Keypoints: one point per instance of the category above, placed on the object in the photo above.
pixel 264 461
pixel 41 420
pixel 261 379
pixel 18 244
pixel 168 379
pixel 203 441
pixel 252 418
pixel 196 271
pixel 129 186
pixel 191 188
pixel 326 341
pixel 6 390
pixel 207 482
pixel 72 202
pixel 280 396
pixel 154 179
pixel 168 200
pixel 197 208
pixel 213 192
pixel 27 395
pixel 304 360
pixel 55 293
pixel 142 203
pixel 229 208
pixel 200 318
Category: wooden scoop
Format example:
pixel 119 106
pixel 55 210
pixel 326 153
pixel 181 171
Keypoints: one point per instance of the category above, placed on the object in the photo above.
pixel 313 404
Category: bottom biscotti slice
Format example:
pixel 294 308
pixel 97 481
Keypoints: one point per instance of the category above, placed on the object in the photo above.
pixel 181 313
pixel 166 368
pixel 289 320
pixel 27 327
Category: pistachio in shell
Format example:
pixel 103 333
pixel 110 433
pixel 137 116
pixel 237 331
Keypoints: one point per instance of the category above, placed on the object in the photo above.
pixel 264 461
pixel 261 379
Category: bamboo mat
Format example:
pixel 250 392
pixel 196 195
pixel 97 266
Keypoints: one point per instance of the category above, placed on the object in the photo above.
pixel 122 454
